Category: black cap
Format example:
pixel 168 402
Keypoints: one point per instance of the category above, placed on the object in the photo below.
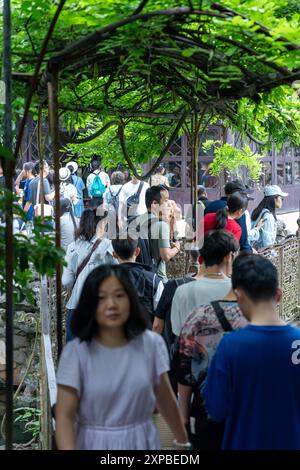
pixel 237 185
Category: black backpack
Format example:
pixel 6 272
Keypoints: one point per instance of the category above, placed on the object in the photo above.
pixel 114 199
pixel 145 253
pixel 133 201
pixel 146 256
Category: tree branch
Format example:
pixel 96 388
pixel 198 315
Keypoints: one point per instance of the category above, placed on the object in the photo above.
pixel 35 77
pixel 140 7
pixel 280 81
pixel 123 112
pixel 229 113
pixel 242 46
pixel 162 154
pixel 93 39
pixel 96 134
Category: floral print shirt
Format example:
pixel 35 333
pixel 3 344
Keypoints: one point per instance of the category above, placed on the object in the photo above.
pixel 200 337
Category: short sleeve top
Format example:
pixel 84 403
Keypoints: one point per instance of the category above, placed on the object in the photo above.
pixel 115 385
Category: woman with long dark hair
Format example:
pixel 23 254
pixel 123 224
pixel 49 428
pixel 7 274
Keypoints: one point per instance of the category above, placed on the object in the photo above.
pixel 264 217
pixel 226 217
pixel 111 377
pixel 90 249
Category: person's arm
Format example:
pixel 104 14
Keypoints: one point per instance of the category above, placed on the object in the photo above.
pixel 89 182
pixel 184 394
pixel 158 325
pixel 268 230
pixel 48 194
pixel 49 197
pixel 65 412
pixel 168 253
pixel 254 233
pixel 167 406
pixel 27 206
pixel 68 276
pixel 18 181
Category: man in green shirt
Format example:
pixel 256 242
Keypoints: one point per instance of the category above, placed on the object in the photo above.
pixel 162 249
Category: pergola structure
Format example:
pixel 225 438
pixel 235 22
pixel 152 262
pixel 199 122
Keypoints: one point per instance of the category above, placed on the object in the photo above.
pixel 169 67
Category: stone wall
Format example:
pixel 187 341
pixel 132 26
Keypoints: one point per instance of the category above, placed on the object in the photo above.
pixel 25 326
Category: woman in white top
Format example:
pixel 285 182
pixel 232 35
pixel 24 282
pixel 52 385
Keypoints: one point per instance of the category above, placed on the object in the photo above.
pixel 67 188
pixel 159 177
pixel 90 241
pixel 113 375
pixel 68 223
pixel 266 212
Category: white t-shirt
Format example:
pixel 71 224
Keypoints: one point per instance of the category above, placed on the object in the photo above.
pixel 192 295
pixel 128 190
pixel 68 191
pixel 103 176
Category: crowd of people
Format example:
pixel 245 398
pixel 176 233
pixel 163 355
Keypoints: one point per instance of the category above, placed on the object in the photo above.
pixel 207 351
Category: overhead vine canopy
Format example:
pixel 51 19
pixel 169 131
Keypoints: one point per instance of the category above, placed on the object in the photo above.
pixel 159 62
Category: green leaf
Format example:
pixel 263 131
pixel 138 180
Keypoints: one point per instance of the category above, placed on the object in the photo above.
pixel 6 153
pixel 188 52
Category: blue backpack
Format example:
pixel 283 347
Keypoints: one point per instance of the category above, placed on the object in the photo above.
pixel 97 189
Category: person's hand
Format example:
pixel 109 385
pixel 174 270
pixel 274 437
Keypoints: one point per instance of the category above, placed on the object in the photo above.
pixel 260 224
pixel 158 325
pixel 175 210
pixel 176 245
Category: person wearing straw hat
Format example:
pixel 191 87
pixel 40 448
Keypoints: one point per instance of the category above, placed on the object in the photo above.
pixel 79 185
pixel 266 212
pixel 67 189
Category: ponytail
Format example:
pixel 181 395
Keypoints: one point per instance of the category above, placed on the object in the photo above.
pixel 221 218
pixel 235 202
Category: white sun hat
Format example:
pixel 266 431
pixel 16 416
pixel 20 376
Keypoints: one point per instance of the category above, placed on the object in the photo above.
pixel 73 165
pixel 274 190
pixel 64 174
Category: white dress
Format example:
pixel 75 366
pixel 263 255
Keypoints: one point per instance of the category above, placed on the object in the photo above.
pixel 116 391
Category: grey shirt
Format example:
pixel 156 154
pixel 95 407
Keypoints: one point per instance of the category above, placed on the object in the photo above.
pixel 67 229
pixel 33 187
pixel 189 296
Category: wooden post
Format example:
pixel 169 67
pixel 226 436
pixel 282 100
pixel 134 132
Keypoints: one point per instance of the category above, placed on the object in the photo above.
pixel 9 170
pixel 54 131
pixel 46 437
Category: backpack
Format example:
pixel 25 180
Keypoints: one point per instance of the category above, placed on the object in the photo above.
pixel 114 199
pixel 133 201
pixel 145 256
pixel 97 189
pixel 145 285
pixel 145 253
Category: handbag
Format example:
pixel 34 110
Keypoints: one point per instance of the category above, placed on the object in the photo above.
pixel 48 209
